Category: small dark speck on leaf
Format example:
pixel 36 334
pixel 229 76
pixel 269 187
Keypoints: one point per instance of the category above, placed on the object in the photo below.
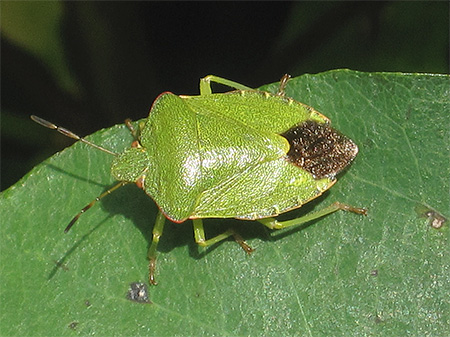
pixel 87 303
pixel 59 264
pixel 138 292
pixel 73 325
pixel 378 319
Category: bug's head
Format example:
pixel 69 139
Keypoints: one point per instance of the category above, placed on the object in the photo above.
pixel 130 165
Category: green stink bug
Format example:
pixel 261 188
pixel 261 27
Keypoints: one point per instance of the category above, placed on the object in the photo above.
pixel 244 154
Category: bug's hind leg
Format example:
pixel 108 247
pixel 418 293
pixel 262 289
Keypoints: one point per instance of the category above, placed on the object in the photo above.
pixel 157 232
pixel 283 83
pixel 205 84
pixel 272 223
pixel 199 234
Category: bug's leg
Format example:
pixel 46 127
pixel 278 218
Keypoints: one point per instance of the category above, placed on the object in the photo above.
pixel 157 232
pixel 283 83
pixel 272 223
pixel 199 234
pixel 133 131
pixel 92 203
pixel 205 84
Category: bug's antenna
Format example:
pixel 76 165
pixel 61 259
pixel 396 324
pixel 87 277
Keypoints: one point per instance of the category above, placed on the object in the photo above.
pixel 92 203
pixel 68 133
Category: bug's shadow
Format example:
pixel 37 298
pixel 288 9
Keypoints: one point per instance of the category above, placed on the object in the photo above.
pixel 60 262
pixel 129 201
pixel 73 175
pixel 132 203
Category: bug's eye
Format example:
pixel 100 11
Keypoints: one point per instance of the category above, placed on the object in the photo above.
pixel 319 149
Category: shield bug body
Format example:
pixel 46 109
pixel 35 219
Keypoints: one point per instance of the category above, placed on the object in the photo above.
pixel 244 154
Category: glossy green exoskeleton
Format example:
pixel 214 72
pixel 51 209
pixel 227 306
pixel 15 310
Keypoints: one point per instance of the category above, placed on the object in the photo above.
pixel 244 154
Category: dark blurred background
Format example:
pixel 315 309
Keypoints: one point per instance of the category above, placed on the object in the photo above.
pixel 90 65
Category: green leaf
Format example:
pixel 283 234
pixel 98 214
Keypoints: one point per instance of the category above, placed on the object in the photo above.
pixel 384 274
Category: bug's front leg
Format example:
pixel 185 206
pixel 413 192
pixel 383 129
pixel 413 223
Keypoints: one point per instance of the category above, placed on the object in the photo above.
pixel 200 239
pixel 157 232
pixel 272 223
pixel 136 133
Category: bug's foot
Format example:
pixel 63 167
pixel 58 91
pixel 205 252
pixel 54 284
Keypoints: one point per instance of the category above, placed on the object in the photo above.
pixel 242 243
pixel 349 208
pixel 151 270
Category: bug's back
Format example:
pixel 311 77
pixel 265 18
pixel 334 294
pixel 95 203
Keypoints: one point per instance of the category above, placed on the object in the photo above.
pixel 220 155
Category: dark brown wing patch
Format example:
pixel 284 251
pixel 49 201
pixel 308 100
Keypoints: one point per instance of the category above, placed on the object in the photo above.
pixel 319 149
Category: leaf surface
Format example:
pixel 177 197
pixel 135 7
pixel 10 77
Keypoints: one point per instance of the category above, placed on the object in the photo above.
pixel 387 273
